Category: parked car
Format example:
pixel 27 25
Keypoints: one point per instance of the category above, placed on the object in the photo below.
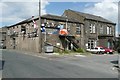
pixel 97 50
pixel 2 46
pixel 108 50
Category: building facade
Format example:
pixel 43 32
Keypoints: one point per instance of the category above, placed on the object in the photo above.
pixel 3 37
pixel 97 30
pixel 23 35
pixel 83 31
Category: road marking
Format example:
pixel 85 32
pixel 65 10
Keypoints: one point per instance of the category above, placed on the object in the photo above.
pixel 41 57
pixel 80 56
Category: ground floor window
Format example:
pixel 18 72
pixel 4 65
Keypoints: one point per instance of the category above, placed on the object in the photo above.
pixel 91 44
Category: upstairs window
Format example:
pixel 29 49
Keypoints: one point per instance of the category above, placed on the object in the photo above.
pixel 78 30
pixel 109 30
pixel 92 28
pixel 101 29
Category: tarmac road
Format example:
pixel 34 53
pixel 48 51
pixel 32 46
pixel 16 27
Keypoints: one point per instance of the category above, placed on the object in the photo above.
pixel 19 65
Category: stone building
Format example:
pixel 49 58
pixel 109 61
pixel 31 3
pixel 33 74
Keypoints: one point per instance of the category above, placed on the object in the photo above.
pixel 23 36
pixel 98 31
pixel 84 31
pixel 3 37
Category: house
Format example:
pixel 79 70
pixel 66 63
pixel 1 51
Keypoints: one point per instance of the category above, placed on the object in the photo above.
pixel 98 31
pixel 24 35
pixel 3 37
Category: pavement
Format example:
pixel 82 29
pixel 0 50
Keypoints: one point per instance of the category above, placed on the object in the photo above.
pixel 22 64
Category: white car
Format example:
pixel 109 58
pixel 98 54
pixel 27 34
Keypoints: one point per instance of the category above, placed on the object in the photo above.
pixel 98 50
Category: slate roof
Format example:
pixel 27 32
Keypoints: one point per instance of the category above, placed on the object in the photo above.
pixel 48 16
pixel 60 18
pixel 92 17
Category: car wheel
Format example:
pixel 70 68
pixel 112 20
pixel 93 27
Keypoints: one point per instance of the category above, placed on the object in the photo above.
pixel 110 52
pixel 100 52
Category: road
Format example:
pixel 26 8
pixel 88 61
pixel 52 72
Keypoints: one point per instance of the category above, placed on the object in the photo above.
pixel 19 65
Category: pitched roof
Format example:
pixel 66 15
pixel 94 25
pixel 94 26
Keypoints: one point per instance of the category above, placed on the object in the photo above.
pixel 92 17
pixel 60 18
pixel 48 16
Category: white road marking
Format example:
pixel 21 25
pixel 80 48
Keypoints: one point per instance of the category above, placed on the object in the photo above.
pixel 80 56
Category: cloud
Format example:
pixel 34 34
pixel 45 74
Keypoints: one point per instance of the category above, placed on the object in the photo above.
pixel 108 10
pixel 13 12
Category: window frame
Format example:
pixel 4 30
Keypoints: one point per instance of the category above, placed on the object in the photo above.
pixel 78 29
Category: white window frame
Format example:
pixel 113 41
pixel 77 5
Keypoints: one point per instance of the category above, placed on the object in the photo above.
pixel 92 43
pixel 101 29
pixel 92 28
pixel 108 30
pixel 78 29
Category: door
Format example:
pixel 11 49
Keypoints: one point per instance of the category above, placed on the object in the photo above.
pixel 14 43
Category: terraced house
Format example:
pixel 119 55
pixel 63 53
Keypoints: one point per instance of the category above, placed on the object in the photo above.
pixel 83 31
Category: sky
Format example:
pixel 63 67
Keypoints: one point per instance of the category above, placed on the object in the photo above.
pixel 12 12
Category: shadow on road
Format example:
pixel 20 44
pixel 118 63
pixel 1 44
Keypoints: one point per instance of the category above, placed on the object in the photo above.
pixel 2 62
pixel 114 62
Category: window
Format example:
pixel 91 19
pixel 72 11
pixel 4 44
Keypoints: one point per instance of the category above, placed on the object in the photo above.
pixel 78 29
pixel 92 28
pixel 109 30
pixel 101 29
pixel 92 44
pixel 23 29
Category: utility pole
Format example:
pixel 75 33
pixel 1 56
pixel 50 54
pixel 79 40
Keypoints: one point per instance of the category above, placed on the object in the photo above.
pixel 40 34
